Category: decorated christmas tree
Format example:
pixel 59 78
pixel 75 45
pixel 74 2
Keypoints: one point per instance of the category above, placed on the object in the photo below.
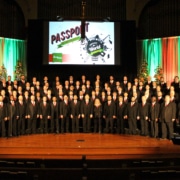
pixel 143 71
pixel 19 71
pixel 3 72
pixel 158 74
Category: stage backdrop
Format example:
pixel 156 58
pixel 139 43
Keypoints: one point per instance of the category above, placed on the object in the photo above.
pixel 162 52
pixel 12 51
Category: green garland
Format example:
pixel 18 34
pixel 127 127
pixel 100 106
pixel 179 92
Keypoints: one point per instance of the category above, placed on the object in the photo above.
pixel 143 71
pixel 18 70
pixel 158 74
pixel 3 72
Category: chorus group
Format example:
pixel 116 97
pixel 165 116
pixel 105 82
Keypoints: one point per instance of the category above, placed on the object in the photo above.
pixel 148 108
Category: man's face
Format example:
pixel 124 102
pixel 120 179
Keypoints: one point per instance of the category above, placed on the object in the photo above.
pixel 162 79
pixel 125 78
pixel 65 98
pixel 54 99
pixel 22 77
pixel 176 79
pixel 44 99
pixel 120 98
pixel 9 78
pixel 133 99
pixel 75 97
pixel 20 98
pixel 109 98
pixel 153 99
pixel 32 98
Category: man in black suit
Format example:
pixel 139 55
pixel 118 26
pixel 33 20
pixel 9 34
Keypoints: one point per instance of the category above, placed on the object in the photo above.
pixel 4 121
pixel 65 114
pixel 21 115
pixel 75 114
pixel 22 82
pixel 167 117
pixel 115 97
pixel 162 84
pixel 38 102
pixel 60 97
pixel 12 117
pixel 160 98
pixel 66 88
pixel 9 82
pixel 71 81
pixel 45 115
pixel 32 115
pixel 176 83
pixel 55 89
pixel 4 96
pixel 3 84
pixel 109 114
pixel 124 84
pixel 83 80
pixel 54 115
pixel 143 116
pixel 38 88
pixel 112 83
pixel 154 116
pixel 121 107
pixel 131 115
pixel 149 82
pixel 88 87
pixel 77 88
pixel 87 113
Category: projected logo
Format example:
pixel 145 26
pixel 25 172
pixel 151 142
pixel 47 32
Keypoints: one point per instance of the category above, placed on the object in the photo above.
pixel 96 49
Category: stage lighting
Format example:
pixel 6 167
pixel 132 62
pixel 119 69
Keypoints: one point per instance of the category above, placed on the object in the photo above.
pixel 107 19
pixel 59 18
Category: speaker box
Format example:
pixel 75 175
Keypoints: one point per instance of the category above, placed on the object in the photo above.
pixel 176 139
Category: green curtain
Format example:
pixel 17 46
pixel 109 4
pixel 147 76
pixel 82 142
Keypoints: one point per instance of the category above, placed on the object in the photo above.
pixel 150 51
pixel 162 52
pixel 179 56
pixel 11 51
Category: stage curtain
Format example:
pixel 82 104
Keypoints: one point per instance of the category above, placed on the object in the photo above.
pixel 12 50
pixel 162 52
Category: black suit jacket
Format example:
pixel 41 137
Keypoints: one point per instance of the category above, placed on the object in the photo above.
pixel 154 111
pixel 167 113
pixel 75 108
pixel 22 84
pixel 21 110
pixel 97 111
pixel 86 109
pixel 64 109
pixel 143 110
pixel 121 109
pixel 12 110
pixel 88 90
pixel 54 110
pixel 109 110
pixel 45 111
pixel 132 111
pixel 9 83
pixel 32 110
pixel 3 112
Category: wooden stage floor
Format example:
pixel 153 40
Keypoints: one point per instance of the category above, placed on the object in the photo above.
pixel 93 146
